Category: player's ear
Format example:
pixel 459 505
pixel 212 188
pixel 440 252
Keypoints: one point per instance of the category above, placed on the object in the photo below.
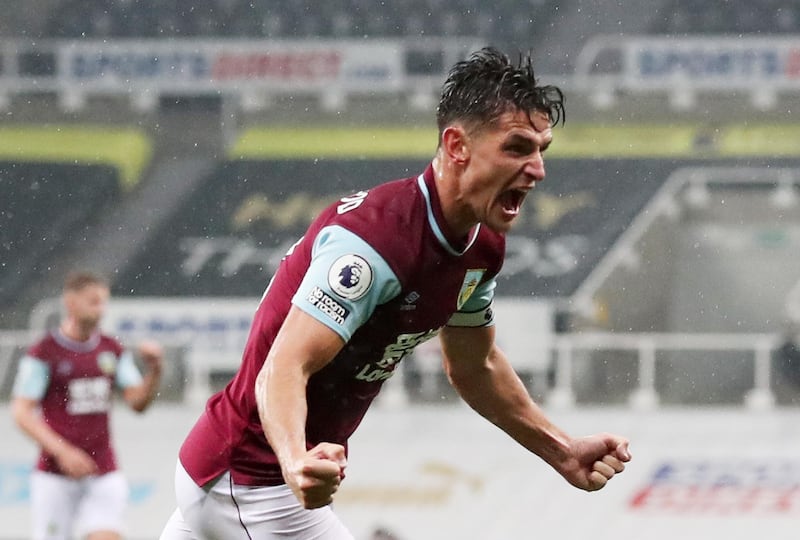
pixel 454 143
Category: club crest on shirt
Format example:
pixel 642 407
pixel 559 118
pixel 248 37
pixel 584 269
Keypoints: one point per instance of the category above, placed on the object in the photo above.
pixel 471 280
pixel 350 277
pixel 107 362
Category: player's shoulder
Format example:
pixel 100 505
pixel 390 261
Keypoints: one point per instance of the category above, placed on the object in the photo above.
pixel 45 347
pixel 386 208
pixel 111 343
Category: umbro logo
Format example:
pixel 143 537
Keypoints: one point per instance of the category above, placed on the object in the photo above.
pixel 409 300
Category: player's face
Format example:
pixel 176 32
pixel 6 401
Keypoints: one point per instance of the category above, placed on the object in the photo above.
pixel 505 164
pixel 87 305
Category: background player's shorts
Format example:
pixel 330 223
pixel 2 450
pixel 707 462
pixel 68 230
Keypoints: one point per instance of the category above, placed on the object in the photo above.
pixel 93 503
pixel 223 509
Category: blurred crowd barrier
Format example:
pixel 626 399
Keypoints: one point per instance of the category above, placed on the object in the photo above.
pixel 204 339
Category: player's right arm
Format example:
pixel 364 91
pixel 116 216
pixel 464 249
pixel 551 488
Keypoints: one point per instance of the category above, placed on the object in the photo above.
pixel 324 315
pixel 302 347
pixel 30 386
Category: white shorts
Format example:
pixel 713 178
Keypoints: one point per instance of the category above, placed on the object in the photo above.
pixel 224 510
pixel 93 503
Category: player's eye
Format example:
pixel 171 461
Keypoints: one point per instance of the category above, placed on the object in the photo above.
pixel 518 148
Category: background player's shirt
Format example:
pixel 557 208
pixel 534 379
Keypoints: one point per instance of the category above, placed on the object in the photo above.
pixel 73 381
pixel 380 269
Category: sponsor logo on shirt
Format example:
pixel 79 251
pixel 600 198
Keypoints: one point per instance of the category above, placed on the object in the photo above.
pixel 350 277
pixel 392 355
pixel 327 305
pixel 91 395
pixel 471 280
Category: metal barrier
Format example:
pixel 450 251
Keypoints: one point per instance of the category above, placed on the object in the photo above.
pixel 183 382
pixel 645 346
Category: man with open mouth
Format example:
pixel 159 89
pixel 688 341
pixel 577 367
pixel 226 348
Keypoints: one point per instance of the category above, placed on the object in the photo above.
pixel 376 274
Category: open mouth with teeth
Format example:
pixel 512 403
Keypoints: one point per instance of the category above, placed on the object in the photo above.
pixel 511 200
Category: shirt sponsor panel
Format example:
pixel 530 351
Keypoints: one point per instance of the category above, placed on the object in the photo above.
pixel 89 395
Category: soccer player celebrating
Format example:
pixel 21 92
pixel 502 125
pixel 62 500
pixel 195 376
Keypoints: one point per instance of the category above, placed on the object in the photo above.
pixel 376 274
pixel 70 375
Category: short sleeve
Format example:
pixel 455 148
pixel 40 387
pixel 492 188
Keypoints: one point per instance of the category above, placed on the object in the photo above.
pixel 345 281
pixel 127 373
pixel 32 379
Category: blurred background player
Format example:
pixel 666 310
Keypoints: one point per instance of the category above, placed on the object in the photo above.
pixel 376 274
pixel 61 399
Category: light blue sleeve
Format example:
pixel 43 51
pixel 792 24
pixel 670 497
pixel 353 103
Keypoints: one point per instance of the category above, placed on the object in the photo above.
pixel 127 373
pixel 345 281
pixel 477 311
pixel 32 379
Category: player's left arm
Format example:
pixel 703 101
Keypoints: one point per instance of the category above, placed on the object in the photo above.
pixel 139 392
pixel 484 378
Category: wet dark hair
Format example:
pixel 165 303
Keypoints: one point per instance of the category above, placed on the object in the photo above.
pixel 486 85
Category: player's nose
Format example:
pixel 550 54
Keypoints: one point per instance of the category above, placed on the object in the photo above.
pixel 534 167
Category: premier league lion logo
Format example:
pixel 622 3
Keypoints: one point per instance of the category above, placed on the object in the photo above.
pixel 350 277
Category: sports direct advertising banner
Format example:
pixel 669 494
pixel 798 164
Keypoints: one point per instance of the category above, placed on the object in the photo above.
pixel 441 472
pixel 711 63
pixel 195 66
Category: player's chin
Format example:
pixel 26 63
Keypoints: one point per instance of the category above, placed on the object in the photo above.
pixel 502 222
pixel 91 320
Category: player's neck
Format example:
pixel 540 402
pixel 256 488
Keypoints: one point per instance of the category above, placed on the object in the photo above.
pixel 73 330
pixel 458 223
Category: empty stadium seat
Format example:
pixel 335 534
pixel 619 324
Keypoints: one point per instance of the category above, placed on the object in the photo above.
pixel 44 206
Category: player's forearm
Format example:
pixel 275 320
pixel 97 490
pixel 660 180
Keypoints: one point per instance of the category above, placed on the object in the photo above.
pixel 302 347
pixel 282 409
pixel 37 429
pixel 497 394
pixel 140 397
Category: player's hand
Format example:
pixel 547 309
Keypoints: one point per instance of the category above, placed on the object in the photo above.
pixel 75 463
pixel 316 477
pixel 595 460
pixel 151 353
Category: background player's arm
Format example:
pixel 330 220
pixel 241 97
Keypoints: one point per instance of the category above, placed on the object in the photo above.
pixel 73 461
pixel 31 385
pixel 302 347
pixel 139 396
pixel 484 378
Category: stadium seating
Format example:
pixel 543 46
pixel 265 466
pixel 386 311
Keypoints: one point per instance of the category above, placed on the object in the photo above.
pixel 506 20
pixel 729 17
pixel 48 204
pixel 56 182
pixel 261 197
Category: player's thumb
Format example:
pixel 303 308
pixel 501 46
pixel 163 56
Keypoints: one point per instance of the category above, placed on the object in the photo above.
pixel 331 451
pixel 622 451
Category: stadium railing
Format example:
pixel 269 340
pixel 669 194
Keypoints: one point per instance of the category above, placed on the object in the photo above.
pixel 650 350
pixel 190 384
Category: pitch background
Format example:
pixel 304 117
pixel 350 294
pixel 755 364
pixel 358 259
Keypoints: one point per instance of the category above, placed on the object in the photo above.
pixel 431 472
